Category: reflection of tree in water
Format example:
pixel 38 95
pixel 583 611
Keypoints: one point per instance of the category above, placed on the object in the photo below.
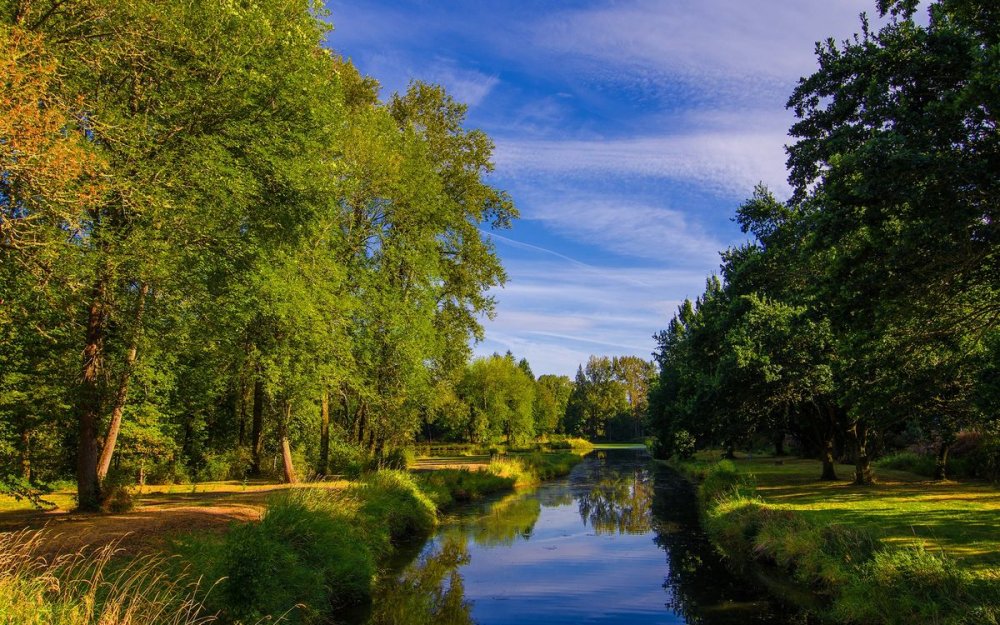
pixel 700 588
pixel 428 592
pixel 621 504
pixel 506 520
pixel 501 523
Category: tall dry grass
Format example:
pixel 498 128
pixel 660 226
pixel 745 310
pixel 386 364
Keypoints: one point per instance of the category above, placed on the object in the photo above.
pixel 90 587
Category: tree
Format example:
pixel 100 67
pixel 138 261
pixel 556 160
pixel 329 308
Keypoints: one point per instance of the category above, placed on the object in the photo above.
pixel 500 397
pixel 896 142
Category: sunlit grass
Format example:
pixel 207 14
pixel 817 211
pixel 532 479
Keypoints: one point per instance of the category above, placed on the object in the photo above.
pixel 89 587
pixel 904 551
pixel 64 499
pixel 960 518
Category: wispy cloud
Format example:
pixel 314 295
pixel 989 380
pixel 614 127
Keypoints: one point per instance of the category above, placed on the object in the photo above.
pixel 633 229
pixel 465 85
pixel 556 313
pixel 728 43
pixel 728 162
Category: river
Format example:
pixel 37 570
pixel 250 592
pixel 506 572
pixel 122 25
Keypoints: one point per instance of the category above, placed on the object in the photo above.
pixel 615 542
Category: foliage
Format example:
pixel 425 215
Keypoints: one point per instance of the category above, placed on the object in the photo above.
pixel 447 486
pixel 392 500
pixel 224 248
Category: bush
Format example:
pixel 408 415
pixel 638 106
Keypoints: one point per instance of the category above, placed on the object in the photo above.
pixel 546 466
pixel 308 551
pixel 392 500
pixel 348 460
pixel 921 464
pixel 514 469
pixel 399 459
pixel 118 499
pixel 724 481
pixel 446 486
pixel 231 465
pixel 167 472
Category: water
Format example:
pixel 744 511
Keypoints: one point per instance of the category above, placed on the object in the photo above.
pixel 615 542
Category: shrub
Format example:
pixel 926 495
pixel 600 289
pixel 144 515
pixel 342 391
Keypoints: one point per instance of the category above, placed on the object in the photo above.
pixel 400 459
pixel 546 466
pixel 446 486
pixel 513 468
pixel 348 460
pixel 723 480
pixel 306 552
pixel 118 499
pixel 921 464
pixel 167 472
pixel 231 465
pixel 391 499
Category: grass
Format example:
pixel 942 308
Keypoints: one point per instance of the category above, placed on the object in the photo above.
pixel 905 550
pixel 447 486
pixel 90 587
pixel 315 549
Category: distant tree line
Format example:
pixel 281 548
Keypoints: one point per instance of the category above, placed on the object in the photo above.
pixel 864 315
pixel 498 400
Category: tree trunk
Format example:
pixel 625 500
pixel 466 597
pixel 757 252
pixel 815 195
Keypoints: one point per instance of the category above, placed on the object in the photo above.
pixel 779 444
pixel 286 449
pixel 863 475
pixel 829 472
pixel 257 427
pixel 88 486
pixel 286 461
pixel 114 427
pixel 240 411
pixel 324 433
pixel 941 466
pixel 25 452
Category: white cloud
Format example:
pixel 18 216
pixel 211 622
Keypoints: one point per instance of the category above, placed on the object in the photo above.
pixel 728 161
pixel 717 41
pixel 465 85
pixel 633 229
pixel 556 312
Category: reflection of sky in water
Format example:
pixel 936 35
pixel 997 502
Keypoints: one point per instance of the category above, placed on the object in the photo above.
pixel 594 548
pixel 568 572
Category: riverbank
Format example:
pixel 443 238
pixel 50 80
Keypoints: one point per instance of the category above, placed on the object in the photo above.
pixel 311 550
pixel 904 551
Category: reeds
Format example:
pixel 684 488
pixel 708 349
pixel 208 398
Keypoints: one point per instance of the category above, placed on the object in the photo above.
pixel 90 587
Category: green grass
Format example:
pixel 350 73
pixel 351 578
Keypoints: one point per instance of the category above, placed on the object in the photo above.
pixel 314 550
pixel 906 550
pixel 91 587
pixel 447 486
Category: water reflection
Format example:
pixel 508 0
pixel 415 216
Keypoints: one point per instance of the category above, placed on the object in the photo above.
pixel 429 592
pixel 699 587
pixel 619 505
pixel 618 542
pixel 501 522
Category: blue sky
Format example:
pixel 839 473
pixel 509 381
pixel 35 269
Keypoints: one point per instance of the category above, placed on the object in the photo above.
pixel 627 132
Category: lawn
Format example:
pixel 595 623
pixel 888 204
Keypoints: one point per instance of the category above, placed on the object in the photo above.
pixel 960 518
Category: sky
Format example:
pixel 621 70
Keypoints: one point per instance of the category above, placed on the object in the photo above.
pixel 627 132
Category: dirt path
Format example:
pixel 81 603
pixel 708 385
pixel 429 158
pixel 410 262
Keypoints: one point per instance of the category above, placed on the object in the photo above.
pixel 160 515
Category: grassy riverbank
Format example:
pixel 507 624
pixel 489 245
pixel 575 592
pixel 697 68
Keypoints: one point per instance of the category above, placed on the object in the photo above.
pixel 314 550
pixel 904 551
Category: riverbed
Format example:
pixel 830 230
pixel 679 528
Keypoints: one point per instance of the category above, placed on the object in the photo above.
pixel 617 541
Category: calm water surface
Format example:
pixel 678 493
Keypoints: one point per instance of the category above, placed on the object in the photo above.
pixel 617 541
